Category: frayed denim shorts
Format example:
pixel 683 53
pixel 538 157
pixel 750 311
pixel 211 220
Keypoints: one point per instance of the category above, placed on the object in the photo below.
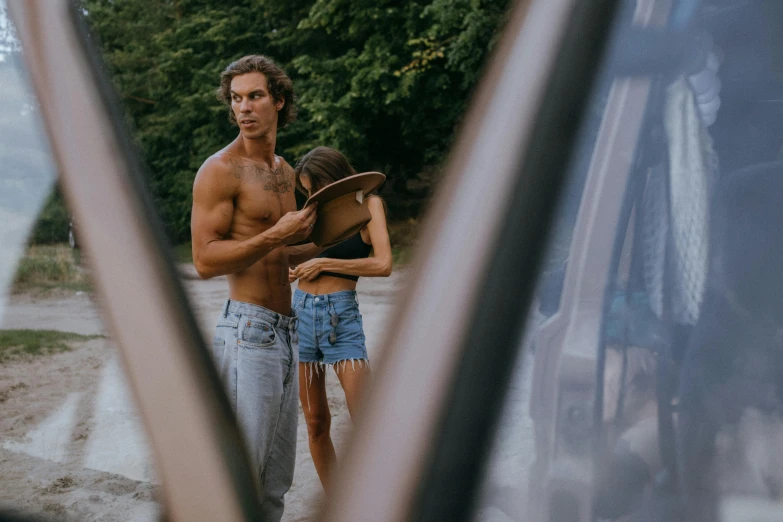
pixel 330 327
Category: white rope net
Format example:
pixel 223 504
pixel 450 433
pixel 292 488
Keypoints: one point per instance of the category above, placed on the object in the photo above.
pixel 692 167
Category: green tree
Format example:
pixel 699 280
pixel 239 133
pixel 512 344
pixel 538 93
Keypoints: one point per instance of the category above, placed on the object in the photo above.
pixel 387 82
pixel 383 81
pixel 165 58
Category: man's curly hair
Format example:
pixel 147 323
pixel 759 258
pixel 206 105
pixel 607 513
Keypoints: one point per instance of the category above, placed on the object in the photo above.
pixel 280 85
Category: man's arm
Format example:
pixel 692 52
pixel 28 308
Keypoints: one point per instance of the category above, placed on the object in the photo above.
pixel 213 210
pixel 301 253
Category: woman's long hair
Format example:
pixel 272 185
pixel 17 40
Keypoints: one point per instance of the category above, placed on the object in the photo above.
pixel 323 166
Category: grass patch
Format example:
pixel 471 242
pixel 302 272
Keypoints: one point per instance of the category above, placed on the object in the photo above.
pixel 17 344
pixel 49 267
pixel 54 287
pixel 183 253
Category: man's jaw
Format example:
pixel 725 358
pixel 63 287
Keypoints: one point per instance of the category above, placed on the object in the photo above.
pixel 249 127
pixel 252 132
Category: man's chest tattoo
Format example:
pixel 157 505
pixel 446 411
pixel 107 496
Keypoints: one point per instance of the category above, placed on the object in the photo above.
pixel 278 180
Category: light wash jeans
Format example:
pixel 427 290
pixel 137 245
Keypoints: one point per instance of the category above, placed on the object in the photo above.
pixel 256 354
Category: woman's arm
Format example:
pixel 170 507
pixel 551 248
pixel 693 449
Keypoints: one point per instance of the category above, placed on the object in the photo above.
pixel 378 265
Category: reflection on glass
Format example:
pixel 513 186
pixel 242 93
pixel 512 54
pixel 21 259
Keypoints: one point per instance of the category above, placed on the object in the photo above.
pixel 656 381
pixel 71 444
pixel 27 173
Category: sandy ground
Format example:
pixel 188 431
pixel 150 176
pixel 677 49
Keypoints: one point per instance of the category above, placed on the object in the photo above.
pixel 71 444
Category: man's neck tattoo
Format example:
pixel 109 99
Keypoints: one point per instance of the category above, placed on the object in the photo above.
pixel 276 180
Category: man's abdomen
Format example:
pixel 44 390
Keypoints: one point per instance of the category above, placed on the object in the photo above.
pixel 265 284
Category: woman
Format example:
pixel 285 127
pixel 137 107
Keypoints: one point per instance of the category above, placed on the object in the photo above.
pixel 330 325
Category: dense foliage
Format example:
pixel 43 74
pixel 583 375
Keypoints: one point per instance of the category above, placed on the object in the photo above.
pixel 52 225
pixel 384 81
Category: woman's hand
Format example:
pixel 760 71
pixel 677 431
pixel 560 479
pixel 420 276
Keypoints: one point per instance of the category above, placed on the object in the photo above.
pixel 309 270
pixel 292 274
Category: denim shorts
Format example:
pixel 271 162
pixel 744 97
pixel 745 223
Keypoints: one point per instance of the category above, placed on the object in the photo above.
pixel 330 327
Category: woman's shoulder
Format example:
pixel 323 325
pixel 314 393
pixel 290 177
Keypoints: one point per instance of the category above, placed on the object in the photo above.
pixel 376 202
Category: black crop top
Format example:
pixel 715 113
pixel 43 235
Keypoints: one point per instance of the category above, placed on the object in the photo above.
pixel 352 248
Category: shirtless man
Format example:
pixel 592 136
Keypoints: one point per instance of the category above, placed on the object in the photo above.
pixel 244 215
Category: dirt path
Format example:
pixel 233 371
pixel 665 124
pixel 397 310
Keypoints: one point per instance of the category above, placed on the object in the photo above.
pixel 71 444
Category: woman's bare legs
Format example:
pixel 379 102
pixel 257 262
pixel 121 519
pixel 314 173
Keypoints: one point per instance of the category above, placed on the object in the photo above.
pixel 353 375
pixel 312 394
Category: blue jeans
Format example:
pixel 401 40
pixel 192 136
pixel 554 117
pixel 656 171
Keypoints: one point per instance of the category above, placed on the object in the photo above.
pixel 256 355
pixel 330 327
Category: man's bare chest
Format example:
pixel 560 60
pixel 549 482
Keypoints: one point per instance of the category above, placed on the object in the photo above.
pixel 264 194
pixel 258 177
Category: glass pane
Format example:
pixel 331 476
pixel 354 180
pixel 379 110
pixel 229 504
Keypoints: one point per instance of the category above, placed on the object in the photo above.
pixel 72 446
pixel 651 386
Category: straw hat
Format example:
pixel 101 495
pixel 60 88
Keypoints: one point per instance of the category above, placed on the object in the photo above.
pixel 342 208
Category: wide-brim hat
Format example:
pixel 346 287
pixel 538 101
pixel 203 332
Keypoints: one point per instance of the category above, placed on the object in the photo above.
pixel 342 208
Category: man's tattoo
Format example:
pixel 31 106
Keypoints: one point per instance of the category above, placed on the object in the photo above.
pixel 276 180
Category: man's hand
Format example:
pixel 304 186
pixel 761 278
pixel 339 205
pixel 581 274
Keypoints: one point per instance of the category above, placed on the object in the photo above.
pixel 296 226
pixel 309 270
pixel 292 274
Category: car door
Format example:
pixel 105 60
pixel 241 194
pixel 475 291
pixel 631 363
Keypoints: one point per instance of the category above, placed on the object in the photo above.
pixel 541 182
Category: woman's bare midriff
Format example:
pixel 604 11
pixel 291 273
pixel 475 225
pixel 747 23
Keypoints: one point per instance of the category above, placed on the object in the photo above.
pixel 326 284
pixel 265 284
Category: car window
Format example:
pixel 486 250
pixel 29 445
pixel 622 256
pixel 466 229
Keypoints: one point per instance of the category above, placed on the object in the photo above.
pixel 649 384
pixel 72 446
